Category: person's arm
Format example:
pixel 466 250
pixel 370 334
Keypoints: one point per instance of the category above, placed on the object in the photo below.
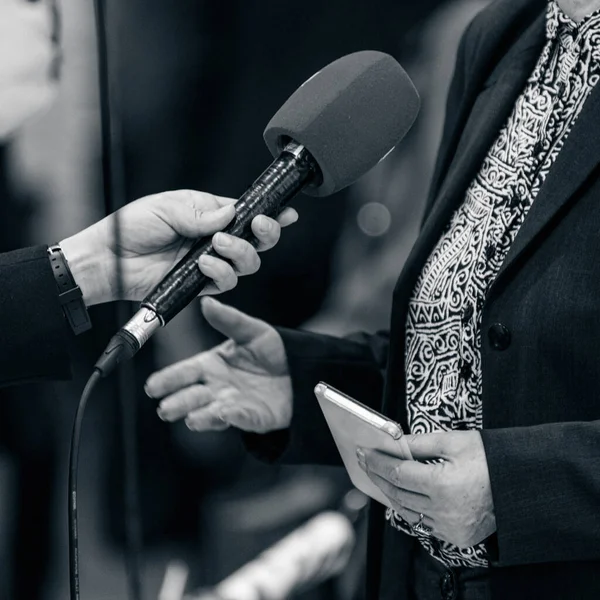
pixel 545 483
pixel 355 365
pixel 261 381
pixel 33 330
pixel 155 233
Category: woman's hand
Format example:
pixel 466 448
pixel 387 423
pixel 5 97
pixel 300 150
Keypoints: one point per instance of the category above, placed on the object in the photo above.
pixel 244 382
pixel 453 494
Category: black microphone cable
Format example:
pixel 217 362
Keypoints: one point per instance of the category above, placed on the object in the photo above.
pixel 114 198
pixel 314 147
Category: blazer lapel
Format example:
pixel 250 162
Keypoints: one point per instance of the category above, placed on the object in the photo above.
pixel 506 34
pixel 575 163
pixel 489 113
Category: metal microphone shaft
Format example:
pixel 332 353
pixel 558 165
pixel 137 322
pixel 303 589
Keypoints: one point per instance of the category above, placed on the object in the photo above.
pixel 287 175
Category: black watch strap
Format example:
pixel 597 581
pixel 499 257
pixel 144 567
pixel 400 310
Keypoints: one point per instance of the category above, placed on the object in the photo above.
pixel 69 293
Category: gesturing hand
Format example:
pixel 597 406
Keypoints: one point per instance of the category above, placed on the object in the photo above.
pixel 155 232
pixel 243 382
pixel 454 494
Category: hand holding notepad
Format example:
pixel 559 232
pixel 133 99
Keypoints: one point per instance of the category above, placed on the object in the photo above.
pixel 355 425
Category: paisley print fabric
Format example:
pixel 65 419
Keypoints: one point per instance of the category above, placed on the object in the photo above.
pixel 443 328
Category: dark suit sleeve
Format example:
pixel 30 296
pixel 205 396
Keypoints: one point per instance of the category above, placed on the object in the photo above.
pixel 33 330
pixel 546 490
pixel 354 365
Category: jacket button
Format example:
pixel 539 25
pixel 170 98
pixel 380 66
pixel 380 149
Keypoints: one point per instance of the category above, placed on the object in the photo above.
pixel 447 586
pixel 499 336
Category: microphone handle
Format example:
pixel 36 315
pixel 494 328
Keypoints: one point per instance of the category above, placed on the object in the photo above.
pixel 287 175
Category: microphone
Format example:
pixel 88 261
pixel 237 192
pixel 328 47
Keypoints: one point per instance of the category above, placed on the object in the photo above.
pixel 332 130
pixel 315 552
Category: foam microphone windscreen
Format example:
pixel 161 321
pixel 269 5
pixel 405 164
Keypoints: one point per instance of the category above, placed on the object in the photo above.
pixel 348 116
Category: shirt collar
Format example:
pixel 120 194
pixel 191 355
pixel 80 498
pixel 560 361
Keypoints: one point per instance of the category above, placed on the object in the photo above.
pixel 586 33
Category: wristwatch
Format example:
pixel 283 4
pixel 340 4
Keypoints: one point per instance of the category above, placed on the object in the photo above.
pixel 69 293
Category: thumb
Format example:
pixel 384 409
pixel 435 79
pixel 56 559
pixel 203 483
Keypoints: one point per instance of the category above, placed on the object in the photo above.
pixel 191 222
pixel 234 324
pixel 426 446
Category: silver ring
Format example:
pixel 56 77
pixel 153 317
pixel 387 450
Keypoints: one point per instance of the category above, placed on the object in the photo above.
pixel 420 527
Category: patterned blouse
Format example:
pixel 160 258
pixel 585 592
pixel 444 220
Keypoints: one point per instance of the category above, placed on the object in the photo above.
pixel 443 328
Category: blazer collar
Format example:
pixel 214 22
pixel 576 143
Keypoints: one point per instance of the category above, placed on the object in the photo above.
pixel 488 111
pixel 575 164
pixel 487 107
pixel 497 37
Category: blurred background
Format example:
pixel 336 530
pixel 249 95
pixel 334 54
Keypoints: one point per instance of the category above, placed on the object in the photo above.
pixel 197 82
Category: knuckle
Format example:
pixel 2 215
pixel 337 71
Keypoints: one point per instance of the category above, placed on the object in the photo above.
pixel 396 473
pixel 243 251
pixel 255 263
pixel 211 199
pixel 221 271
pixel 170 382
pixel 187 197
pixel 188 400
pixel 182 371
pixel 196 395
pixel 229 280
pixel 274 235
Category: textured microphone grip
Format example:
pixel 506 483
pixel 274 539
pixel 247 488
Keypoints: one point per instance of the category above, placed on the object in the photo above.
pixel 291 171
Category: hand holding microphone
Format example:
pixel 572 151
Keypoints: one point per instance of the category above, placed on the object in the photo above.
pixel 332 130
pixel 154 233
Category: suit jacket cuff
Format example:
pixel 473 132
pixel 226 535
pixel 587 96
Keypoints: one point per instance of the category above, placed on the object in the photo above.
pixel 546 489
pixel 33 330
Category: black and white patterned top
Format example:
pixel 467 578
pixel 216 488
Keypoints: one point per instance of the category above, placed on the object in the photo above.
pixel 443 328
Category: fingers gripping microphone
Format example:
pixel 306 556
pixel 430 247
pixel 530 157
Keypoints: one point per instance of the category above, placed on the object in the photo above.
pixel 332 130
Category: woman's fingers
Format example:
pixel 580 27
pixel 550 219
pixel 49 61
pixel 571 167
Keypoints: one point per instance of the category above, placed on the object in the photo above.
pixel 183 402
pixel 211 416
pixel 176 376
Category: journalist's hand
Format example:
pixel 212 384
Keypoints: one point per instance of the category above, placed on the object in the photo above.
pixel 243 382
pixel 454 494
pixel 157 231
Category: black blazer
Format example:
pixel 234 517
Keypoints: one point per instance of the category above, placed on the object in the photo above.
pixel 33 331
pixel 541 391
